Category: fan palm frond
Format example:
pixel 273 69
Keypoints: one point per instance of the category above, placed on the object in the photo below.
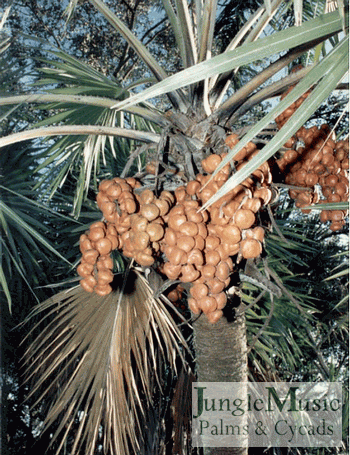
pixel 283 331
pixel 89 352
pixel 275 324
pixel 309 32
pixel 25 240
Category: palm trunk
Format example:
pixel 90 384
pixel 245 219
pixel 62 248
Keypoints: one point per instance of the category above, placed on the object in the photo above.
pixel 221 356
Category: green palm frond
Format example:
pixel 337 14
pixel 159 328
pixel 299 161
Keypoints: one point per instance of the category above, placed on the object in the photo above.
pixel 101 357
pixel 342 271
pixel 62 100
pixel 138 47
pixel 24 222
pixel 319 28
pixel 81 130
pixel 329 206
pixel 82 146
pixel 77 76
pixel 284 331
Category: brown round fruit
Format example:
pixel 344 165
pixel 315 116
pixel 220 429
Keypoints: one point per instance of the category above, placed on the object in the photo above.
pixel 212 257
pixel 144 259
pixel 221 300
pixel 103 246
pixel 212 242
pixel 199 242
pixel 105 276
pixel 222 271
pixel 170 237
pixel 150 211
pixel 90 280
pixel 146 197
pixel 175 255
pixel 114 239
pixel 189 228
pixel 210 163
pixel 311 179
pixel 189 274
pixel 231 233
pixel 138 223
pixel 130 206
pixel 104 262
pixel 194 216
pixel 195 257
pixel 186 243
pixel 86 285
pixel 84 269
pixel 230 249
pixel 114 191
pixel 175 221
pixel 250 248
pixel 173 295
pixel 163 205
pixel 215 286
pixel 90 256
pixel 85 243
pixel 192 304
pixel 199 290
pixel 180 193
pixel 155 232
pixel 214 316
pixel 192 187
pixel 96 233
pixel 253 204
pixel 244 218
pixel 171 271
pixel 208 271
pixel 104 184
pixel 103 290
pixel 140 240
pixel 207 304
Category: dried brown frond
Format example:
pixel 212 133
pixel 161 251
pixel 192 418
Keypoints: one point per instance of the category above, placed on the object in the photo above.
pixel 97 359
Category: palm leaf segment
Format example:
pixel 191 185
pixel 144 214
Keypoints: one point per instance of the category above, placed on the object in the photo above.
pixel 87 356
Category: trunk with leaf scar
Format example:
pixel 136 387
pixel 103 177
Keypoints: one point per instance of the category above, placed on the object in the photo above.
pixel 221 356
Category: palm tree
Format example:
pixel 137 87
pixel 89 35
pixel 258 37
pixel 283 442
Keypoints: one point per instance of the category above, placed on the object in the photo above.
pixel 99 339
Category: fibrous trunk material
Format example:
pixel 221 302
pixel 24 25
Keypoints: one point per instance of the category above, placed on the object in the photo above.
pixel 221 356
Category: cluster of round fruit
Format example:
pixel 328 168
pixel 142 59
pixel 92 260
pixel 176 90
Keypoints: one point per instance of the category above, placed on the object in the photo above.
pixel 96 267
pixel 319 164
pixel 199 244
pixel 321 168
pixel 287 113
pixel 192 245
pixel 137 215
pixel 133 224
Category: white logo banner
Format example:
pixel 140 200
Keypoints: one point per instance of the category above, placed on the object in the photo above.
pixel 263 414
